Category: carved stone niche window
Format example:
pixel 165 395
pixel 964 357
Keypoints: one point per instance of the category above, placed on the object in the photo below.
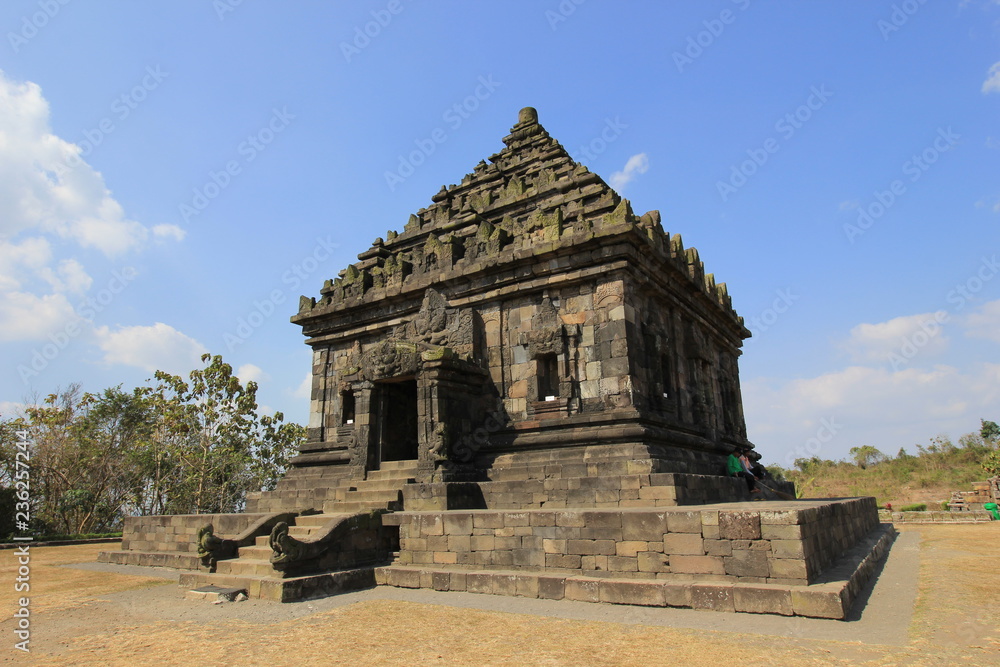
pixel 347 408
pixel 667 390
pixel 548 404
pixel 548 377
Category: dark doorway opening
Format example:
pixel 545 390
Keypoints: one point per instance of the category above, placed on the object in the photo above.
pixel 397 420
pixel 347 408
pixel 548 376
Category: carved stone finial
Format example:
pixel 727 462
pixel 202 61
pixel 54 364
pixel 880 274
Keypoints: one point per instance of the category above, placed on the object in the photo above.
pixel 527 115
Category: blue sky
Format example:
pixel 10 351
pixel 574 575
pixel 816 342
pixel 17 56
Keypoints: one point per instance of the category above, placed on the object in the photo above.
pixel 174 175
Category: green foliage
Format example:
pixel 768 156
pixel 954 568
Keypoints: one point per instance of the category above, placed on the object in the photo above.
pixel 989 431
pixel 182 446
pixel 914 507
pixel 939 467
pixel 866 456
pixel 945 505
pixel 991 464
pixel 217 445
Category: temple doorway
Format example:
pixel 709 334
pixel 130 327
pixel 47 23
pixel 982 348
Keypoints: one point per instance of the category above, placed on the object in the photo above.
pixel 396 420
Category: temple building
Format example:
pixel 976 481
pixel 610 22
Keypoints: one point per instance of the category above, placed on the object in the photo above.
pixel 532 391
pixel 527 315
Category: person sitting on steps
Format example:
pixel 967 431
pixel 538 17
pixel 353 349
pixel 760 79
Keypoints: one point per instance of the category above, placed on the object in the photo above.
pixel 734 468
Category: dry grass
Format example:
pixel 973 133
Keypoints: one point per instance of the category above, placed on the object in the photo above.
pixel 959 584
pixel 55 587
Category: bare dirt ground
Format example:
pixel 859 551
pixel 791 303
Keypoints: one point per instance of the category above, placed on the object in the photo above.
pixel 931 605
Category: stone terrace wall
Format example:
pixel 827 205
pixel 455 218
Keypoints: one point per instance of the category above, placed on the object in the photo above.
pixel 935 517
pixel 610 491
pixel 179 533
pixel 789 543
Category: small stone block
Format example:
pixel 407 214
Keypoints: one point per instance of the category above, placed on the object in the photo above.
pixel 551 588
pixel 649 594
pixel 717 597
pixel 736 525
pixel 583 590
pixel 820 603
pixel 526 585
pixel 479 582
pixel 763 599
pixel 688 544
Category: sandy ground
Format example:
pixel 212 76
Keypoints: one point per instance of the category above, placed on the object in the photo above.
pixel 931 605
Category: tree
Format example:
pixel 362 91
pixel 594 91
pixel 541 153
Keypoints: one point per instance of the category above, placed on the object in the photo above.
pixel 866 455
pixel 219 447
pixel 83 452
pixel 989 431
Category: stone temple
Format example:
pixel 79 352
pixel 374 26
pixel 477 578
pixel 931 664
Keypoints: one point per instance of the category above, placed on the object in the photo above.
pixel 530 390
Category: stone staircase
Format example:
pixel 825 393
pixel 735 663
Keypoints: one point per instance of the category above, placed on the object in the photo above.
pixel 252 569
pixel 383 489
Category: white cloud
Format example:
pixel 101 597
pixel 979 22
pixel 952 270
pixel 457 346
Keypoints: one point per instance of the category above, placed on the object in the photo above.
pixel 151 348
pixel 45 184
pixel 26 316
pixel 879 342
pixel 304 390
pixel 985 323
pixel 637 164
pixel 169 232
pixel 251 373
pixel 866 406
pixel 10 409
pixel 22 261
pixel 992 83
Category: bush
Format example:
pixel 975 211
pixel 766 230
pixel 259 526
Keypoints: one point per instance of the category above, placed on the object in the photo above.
pixel 945 506
pixel 914 507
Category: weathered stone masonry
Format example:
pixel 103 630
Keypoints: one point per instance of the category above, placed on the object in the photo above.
pixel 530 301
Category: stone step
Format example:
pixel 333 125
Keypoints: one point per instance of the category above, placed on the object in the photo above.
pixel 372 484
pixel 317 520
pixel 373 495
pixel 287 589
pixel 351 507
pixel 245 567
pixel 399 465
pixel 258 551
pixel 393 473
pixel 303 532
